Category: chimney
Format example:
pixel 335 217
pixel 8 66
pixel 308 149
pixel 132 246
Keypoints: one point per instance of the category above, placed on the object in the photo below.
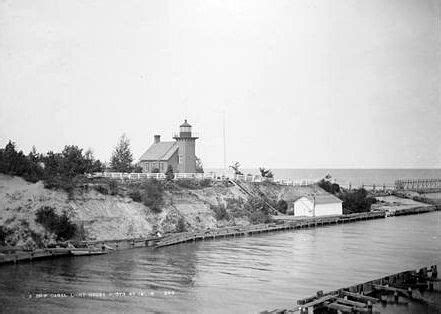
pixel 157 138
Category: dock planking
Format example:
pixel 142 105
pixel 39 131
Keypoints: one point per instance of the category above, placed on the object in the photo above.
pixel 264 228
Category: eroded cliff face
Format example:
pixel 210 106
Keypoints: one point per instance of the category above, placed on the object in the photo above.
pixel 106 216
pixel 102 216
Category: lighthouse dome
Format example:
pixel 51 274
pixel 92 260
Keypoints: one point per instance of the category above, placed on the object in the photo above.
pixel 185 124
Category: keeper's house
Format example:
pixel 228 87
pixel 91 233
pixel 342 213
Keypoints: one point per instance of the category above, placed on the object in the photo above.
pixel 180 154
pixel 318 205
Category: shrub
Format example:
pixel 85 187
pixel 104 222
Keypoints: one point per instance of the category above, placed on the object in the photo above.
pixel 282 206
pixel 180 226
pixel 199 166
pixel 259 217
pixel 136 196
pixel 137 168
pixel 60 225
pixel 187 183
pixel 220 212
pixel 101 189
pixel 169 174
pixel 81 233
pixel 329 187
pixel 356 201
pixel 60 183
pixel 194 184
pixel 152 195
pixel 113 187
pixel 258 211
pixel 37 238
pixel 4 233
pixel 204 183
pixel 234 203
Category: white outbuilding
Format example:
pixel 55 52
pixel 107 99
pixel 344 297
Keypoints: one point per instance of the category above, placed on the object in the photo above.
pixel 318 205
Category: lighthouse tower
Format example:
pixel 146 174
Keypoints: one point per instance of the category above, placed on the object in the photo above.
pixel 186 152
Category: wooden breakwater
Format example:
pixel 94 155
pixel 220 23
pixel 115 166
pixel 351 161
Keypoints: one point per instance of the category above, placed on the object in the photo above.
pixel 419 185
pixel 119 244
pixel 398 288
pixel 263 228
pixel 16 254
pixel 413 211
pixel 12 255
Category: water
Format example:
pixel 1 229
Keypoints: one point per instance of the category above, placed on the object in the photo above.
pixel 356 177
pixel 244 275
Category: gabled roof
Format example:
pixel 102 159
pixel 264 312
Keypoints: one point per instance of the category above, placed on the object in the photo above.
pixel 160 151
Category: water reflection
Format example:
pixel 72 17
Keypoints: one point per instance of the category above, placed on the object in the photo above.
pixel 232 275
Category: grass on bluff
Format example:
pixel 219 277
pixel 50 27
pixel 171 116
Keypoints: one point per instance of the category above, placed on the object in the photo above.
pixel 150 193
pixel 255 209
pixel 193 184
pixel 220 212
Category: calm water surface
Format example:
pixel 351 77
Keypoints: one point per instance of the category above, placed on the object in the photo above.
pixel 245 275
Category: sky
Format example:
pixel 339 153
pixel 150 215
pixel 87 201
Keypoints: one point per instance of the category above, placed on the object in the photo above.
pixel 302 84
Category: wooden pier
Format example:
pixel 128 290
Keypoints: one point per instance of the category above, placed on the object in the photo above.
pixel 401 288
pixel 283 225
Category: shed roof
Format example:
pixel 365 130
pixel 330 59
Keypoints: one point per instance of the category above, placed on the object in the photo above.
pixel 327 199
pixel 160 151
pixel 322 199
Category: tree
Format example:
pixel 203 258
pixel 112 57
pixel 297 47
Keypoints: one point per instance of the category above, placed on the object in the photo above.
pixel 169 174
pixel 33 155
pixel 199 166
pixel 51 164
pixel 73 162
pixel 328 186
pixel 122 158
pixel 266 173
pixel 91 164
pixel 14 162
pixel 236 167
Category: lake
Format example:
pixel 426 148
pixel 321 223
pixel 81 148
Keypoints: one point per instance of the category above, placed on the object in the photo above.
pixel 355 177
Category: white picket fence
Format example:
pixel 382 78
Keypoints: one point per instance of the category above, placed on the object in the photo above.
pixel 198 176
pixel 259 178
pixel 157 176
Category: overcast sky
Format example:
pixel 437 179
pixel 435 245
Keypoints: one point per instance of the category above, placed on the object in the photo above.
pixel 302 83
